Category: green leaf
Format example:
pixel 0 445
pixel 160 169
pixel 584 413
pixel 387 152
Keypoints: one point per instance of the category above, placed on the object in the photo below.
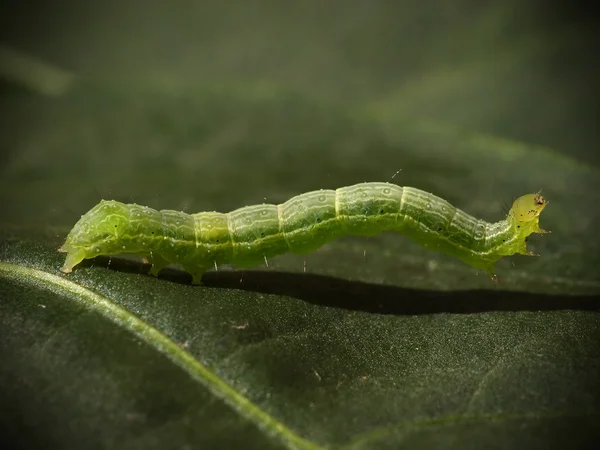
pixel 366 343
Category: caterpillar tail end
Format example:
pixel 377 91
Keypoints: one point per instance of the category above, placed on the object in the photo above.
pixel 74 257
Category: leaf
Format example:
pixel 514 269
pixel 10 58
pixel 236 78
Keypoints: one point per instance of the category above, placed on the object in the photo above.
pixel 366 343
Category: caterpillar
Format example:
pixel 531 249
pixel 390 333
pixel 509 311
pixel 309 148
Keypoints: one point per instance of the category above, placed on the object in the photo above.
pixel 248 236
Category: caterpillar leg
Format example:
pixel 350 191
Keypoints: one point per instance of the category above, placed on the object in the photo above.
pixel 196 273
pixel 158 264
pixel 527 252
pixel 492 274
pixel 197 278
pixel 540 231
pixel 524 251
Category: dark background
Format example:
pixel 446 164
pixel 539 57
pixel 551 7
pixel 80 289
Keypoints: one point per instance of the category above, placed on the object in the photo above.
pixel 534 63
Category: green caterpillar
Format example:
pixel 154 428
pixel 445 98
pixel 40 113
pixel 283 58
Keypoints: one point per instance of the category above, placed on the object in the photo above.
pixel 248 236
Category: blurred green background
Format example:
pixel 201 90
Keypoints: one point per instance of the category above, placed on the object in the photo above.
pixel 214 105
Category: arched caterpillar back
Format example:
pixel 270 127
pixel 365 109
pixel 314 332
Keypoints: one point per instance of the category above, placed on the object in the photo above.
pixel 247 236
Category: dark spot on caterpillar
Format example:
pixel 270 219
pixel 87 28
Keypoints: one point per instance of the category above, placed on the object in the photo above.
pixel 153 232
pixel 518 226
pixel 262 234
pixel 318 219
pixel 439 228
pixel 115 226
pixel 503 240
pixel 381 211
pixel 217 241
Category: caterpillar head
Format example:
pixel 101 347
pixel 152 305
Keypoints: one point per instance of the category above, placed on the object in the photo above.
pixel 528 207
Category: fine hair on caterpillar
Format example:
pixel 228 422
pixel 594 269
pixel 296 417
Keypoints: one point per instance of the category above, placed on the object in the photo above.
pixel 248 236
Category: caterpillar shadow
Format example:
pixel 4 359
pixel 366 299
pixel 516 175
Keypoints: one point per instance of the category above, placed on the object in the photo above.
pixel 382 299
pixel 374 298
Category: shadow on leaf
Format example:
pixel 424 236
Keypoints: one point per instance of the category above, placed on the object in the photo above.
pixel 368 297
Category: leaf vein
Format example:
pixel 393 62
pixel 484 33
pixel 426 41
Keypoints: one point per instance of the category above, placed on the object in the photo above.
pixel 163 344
